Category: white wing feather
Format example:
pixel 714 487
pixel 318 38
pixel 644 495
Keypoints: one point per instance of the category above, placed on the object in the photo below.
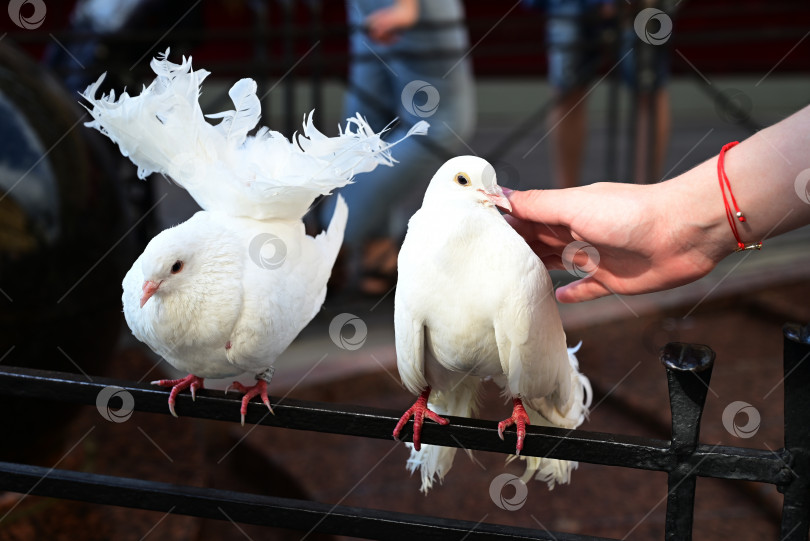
pixel 571 414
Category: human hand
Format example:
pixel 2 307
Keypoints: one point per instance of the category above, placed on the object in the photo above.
pixel 634 240
pixel 385 24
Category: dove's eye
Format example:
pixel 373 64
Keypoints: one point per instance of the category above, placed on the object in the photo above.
pixel 177 267
pixel 462 179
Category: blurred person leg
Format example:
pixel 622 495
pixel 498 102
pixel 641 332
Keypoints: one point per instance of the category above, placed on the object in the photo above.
pixel 567 122
pixel 646 71
pixel 423 75
pixel 572 32
pixel 652 126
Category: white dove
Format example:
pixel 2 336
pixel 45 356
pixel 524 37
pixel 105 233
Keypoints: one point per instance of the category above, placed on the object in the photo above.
pixel 473 301
pixel 217 296
pixel 228 290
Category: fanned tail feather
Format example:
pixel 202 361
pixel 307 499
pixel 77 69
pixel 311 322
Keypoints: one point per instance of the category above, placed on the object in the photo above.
pixel 158 126
pixel 434 461
pixel 358 149
pixel 163 130
pixel 543 412
pixel 236 124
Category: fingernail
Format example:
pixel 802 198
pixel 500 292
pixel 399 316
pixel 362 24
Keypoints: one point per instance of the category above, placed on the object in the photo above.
pixel 506 191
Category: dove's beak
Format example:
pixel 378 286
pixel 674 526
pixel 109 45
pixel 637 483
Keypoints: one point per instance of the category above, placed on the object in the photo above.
pixel 496 196
pixel 149 289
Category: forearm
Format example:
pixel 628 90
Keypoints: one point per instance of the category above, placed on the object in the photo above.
pixel 762 171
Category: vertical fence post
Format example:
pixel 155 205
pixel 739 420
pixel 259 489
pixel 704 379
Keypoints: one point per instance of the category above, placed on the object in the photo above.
pixel 689 369
pixel 796 505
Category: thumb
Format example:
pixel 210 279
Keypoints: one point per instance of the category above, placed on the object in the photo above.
pixel 582 290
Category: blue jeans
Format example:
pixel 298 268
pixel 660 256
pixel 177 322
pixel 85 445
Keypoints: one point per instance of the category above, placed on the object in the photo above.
pixel 575 49
pixel 425 75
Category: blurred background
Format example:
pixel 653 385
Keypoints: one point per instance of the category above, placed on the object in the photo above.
pixel 552 93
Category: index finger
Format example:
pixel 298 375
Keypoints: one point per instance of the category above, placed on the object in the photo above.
pixel 543 206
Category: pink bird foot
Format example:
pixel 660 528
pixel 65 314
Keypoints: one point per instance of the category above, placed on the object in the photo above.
pixel 418 411
pixel 191 381
pixel 259 389
pixel 520 419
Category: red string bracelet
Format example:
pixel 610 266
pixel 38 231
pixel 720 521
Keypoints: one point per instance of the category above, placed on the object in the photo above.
pixel 724 183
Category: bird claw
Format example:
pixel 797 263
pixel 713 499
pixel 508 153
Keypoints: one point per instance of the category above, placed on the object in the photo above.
pixel 260 389
pixel 418 411
pixel 191 381
pixel 520 419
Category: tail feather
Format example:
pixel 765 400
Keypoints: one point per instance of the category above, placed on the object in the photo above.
pixel 163 130
pixel 434 461
pixel 548 470
pixel 543 412
pixel 159 129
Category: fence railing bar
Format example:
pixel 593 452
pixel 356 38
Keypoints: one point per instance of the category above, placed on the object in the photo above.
pixel 474 434
pixel 257 509
pixel 741 464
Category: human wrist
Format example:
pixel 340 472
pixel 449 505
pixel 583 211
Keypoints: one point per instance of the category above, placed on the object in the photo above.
pixel 692 213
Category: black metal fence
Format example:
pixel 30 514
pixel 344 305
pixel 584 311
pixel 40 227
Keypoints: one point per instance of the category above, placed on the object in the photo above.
pixel 684 458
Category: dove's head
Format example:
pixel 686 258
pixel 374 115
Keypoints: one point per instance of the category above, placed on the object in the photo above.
pixel 467 179
pixel 168 263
